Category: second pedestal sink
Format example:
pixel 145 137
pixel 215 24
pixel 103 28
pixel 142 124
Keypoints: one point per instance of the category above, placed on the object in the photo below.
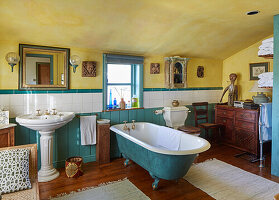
pixel 46 125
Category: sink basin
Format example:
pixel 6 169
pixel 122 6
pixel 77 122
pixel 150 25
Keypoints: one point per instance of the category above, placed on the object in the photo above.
pixel 46 125
pixel 45 122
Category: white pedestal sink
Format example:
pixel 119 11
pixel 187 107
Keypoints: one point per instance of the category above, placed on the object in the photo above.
pixel 46 125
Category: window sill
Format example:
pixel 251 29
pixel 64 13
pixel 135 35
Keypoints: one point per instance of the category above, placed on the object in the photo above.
pixel 122 109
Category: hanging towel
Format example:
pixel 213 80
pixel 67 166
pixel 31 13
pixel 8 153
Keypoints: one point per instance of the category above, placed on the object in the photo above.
pixel 266 121
pixel 169 138
pixel 88 130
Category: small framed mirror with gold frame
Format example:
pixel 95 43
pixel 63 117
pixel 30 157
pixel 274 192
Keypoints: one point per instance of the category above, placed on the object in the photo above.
pixel 43 67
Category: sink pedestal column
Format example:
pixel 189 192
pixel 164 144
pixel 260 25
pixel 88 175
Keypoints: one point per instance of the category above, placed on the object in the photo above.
pixel 47 172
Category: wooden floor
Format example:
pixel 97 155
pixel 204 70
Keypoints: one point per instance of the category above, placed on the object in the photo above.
pixel 95 175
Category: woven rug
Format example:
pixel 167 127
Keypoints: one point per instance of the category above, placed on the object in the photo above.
pixel 226 182
pixel 118 190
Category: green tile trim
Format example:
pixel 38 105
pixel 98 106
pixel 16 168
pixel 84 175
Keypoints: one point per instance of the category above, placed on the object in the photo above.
pixel 50 91
pixel 98 90
pixel 182 89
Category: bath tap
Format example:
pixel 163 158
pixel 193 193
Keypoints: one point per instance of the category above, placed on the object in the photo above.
pixel 54 112
pixel 133 125
pixel 38 112
pixel 47 112
pixel 125 127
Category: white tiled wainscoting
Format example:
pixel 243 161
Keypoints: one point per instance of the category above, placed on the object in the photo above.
pixel 187 97
pixel 19 104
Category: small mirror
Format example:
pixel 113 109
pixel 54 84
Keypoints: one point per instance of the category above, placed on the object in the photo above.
pixel 43 67
pixel 178 75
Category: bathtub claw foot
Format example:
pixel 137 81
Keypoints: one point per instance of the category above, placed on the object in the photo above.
pixel 155 184
pixel 126 162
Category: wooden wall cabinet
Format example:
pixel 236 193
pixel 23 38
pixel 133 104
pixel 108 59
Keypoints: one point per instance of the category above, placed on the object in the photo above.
pixel 240 127
pixel 103 143
pixel 7 135
pixel 176 72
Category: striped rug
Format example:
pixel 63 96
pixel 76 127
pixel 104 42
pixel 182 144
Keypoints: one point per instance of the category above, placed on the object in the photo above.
pixel 223 181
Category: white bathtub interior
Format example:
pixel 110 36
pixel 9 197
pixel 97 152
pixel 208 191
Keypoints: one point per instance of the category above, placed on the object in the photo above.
pixel 146 134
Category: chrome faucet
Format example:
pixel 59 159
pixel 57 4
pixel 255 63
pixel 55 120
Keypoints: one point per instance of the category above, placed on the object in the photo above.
pixel 125 127
pixel 133 125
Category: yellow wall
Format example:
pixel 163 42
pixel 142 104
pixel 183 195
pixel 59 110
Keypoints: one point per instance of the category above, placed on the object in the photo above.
pixel 9 80
pixel 239 64
pixel 212 75
pixel 213 70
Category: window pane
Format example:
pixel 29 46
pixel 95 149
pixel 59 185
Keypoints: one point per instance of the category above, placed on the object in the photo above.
pixel 119 73
pixel 119 91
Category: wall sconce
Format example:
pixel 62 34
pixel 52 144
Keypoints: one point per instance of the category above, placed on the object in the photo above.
pixel 12 58
pixel 75 61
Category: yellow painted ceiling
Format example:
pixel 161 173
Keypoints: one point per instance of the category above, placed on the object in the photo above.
pixel 194 28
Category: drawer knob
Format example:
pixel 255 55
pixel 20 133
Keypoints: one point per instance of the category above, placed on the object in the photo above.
pixel 224 120
pixel 224 113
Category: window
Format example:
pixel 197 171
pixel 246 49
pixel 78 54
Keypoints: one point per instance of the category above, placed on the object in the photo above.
pixel 123 78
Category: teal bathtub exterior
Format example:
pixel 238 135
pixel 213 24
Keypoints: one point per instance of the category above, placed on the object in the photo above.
pixel 160 166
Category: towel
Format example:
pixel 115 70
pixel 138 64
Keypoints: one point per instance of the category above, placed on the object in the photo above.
pixel 265 83
pixel 88 130
pixel 266 79
pixel 268 75
pixel 266 46
pixel 268 40
pixel 266 121
pixel 263 52
pixel 169 138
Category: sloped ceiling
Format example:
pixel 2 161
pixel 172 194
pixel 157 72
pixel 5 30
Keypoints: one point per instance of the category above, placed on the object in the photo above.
pixel 193 28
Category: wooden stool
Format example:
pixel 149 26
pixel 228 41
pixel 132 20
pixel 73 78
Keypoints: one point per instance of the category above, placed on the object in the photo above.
pixel 190 130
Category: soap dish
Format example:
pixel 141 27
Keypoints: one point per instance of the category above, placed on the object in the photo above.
pixel 103 121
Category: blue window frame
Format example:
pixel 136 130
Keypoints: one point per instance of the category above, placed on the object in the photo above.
pixel 122 75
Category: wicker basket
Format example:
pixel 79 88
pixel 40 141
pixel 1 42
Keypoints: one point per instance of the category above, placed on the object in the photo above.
pixel 73 167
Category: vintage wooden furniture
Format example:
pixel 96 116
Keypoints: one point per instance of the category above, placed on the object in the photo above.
pixel 239 127
pixel 31 194
pixel 176 72
pixel 190 130
pixel 201 114
pixel 7 135
pixel 103 143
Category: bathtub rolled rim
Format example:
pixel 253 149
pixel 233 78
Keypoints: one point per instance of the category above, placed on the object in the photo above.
pixel 206 145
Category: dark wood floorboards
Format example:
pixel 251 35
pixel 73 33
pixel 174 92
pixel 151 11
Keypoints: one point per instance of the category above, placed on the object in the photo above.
pixel 95 175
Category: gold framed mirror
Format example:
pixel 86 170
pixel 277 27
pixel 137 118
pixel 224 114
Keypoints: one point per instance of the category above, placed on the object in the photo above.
pixel 43 67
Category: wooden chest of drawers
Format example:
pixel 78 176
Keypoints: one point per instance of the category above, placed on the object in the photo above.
pixel 7 135
pixel 240 127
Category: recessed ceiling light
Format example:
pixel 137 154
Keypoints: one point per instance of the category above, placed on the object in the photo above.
pixel 254 12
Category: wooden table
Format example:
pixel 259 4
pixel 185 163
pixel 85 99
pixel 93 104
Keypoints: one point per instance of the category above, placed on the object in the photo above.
pixel 7 135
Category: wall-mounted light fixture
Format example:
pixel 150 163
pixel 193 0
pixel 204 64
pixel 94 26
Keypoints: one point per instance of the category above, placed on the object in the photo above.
pixel 12 58
pixel 75 61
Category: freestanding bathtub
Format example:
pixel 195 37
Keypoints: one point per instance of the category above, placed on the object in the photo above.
pixel 141 146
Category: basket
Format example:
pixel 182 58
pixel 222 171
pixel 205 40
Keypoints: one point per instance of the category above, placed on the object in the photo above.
pixel 73 167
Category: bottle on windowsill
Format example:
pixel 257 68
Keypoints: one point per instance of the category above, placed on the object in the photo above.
pixel 114 103
pixel 129 104
pixel 122 104
pixel 135 102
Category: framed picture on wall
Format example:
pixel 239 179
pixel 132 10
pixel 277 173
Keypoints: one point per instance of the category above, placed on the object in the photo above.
pixel 258 68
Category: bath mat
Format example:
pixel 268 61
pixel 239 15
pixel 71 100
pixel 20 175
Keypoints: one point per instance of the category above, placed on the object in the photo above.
pixel 118 190
pixel 224 181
